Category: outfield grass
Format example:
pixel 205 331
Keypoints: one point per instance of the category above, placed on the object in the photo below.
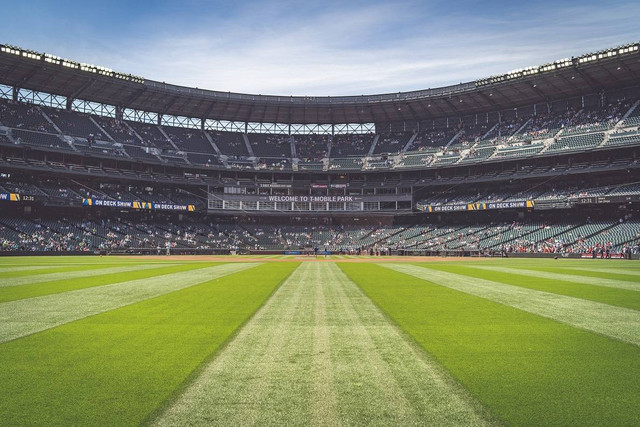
pixel 320 353
pixel 609 295
pixel 34 289
pixel 21 275
pixel 528 370
pixel 272 341
pixel 116 368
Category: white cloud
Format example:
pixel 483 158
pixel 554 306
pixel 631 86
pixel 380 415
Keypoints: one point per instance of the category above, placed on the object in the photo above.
pixel 369 49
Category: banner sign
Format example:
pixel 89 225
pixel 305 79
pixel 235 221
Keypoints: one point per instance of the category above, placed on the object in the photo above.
pixel 273 185
pixel 476 206
pixel 138 205
pixel 612 256
pixel 304 199
pixel 10 197
pixel 299 203
pixel 592 200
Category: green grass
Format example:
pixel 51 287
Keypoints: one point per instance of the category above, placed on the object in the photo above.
pixel 528 370
pixel 55 269
pixel 13 261
pixel 116 368
pixel 616 272
pixel 12 293
pixel 389 349
pixel 320 353
pixel 618 297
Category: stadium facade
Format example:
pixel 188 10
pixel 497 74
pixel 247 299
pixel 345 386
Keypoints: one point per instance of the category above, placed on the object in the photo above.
pixel 541 160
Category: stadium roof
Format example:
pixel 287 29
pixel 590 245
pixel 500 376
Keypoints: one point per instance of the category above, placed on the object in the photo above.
pixel 591 73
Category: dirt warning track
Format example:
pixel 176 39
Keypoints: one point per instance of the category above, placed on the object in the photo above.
pixel 299 258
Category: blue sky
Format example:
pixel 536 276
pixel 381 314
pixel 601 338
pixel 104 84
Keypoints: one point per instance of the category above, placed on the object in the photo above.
pixel 318 47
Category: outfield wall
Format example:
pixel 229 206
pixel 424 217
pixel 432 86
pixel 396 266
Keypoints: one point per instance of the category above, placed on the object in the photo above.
pixel 301 252
pixel 46 253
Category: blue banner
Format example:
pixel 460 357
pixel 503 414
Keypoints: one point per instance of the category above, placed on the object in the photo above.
pixel 138 205
pixel 476 206
pixel 10 197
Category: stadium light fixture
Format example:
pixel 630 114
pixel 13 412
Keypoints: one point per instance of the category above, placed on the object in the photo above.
pixel 11 49
pixel 56 60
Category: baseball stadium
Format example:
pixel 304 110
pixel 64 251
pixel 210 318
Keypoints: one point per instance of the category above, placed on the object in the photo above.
pixel 467 254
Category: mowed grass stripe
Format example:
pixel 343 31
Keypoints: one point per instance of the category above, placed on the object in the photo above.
pixel 367 390
pixel 324 403
pixel 595 281
pixel 626 274
pixel 71 273
pixel 116 368
pixel 614 322
pixel 606 295
pixel 28 316
pixel 37 270
pixel 12 293
pixel 381 378
pixel 320 353
pixel 5 270
pixel 622 271
pixel 71 260
pixel 527 369
pixel 233 389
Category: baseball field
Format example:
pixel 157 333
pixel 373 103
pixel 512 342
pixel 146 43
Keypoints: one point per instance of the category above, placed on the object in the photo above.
pixel 286 340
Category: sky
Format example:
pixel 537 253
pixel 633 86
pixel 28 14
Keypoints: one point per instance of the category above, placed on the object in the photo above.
pixel 318 47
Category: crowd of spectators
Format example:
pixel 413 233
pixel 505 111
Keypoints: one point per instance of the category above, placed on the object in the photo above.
pixel 351 145
pixel 596 118
pixel 124 234
pixel 118 130
pixel 151 135
pixel 75 124
pixel 264 145
pixel 23 116
pixel 311 148
pixel 543 126
pixel 274 164
pixel 391 143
